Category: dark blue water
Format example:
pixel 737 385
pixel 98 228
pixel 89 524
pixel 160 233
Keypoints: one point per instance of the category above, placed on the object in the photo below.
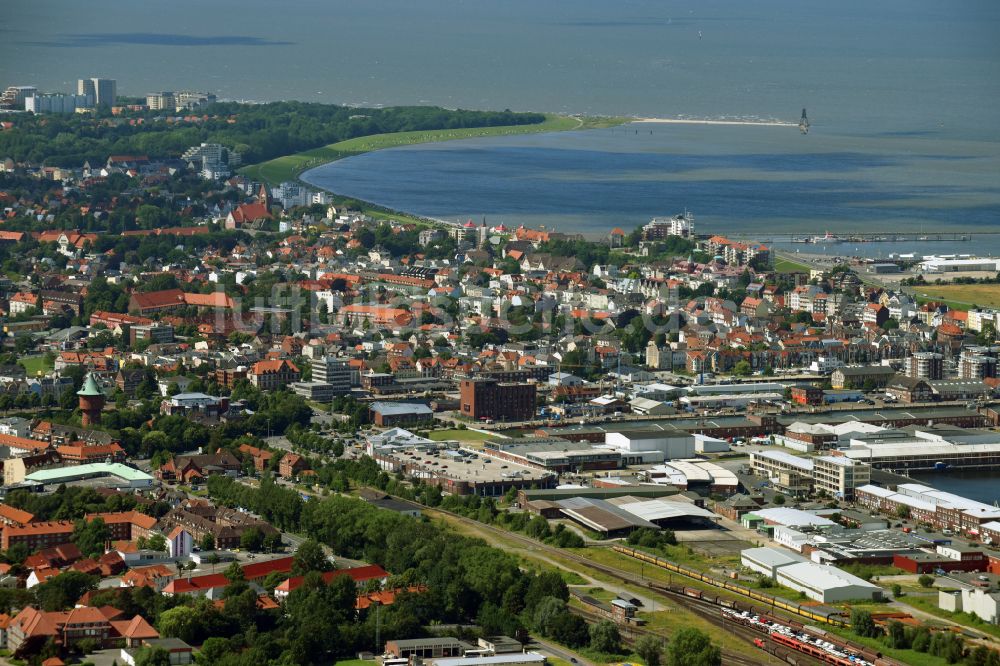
pixel 754 180
pixel 983 487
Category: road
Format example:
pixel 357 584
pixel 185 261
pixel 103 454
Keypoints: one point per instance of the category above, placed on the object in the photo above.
pixel 555 650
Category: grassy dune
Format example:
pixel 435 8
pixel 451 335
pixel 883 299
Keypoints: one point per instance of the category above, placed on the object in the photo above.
pixel 289 167
pixel 961 296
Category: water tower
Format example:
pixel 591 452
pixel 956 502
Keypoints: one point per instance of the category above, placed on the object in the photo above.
pixel 91 401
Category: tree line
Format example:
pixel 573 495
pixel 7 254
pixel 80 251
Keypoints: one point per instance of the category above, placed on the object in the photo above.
pixel 257 131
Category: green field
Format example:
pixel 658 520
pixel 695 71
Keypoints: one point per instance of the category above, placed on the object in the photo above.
pixel 34 364
pixel 459 435
pixel 960 296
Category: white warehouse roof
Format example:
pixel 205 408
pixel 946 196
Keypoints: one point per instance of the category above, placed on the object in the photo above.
pixel 771 558
pixel 823 576
pixel 657 509
pixel 793 517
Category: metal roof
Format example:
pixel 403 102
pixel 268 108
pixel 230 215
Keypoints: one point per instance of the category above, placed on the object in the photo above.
pixel 602 516
pixel 822 576
pixel 793 517
pixel 653 510
pixel 771 557
pixel 400 408
pixel 92 469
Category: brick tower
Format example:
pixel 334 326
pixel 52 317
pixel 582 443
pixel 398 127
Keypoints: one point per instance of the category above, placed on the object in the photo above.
pixel 91 401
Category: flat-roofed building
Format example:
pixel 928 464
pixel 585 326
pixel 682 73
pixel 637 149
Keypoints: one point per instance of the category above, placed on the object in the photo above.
pixel 767 561
pixel 839 475
pixel 509 659
pixel 552 453
pixel 789 473
pixel 428 648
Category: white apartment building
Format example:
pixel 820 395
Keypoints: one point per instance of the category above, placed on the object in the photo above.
pixel 839 476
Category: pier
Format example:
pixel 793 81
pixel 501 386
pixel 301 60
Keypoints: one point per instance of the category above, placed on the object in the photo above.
pixel 885 237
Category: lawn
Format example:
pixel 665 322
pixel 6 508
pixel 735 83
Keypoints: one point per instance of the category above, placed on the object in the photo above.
pixel 782 265
pixel 961 296
pixel 459 435
pixel 35 364
pixel 288 167
pixel 355 662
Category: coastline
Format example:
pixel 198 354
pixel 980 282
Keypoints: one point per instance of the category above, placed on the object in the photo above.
pixel 290 167
pixel 293 167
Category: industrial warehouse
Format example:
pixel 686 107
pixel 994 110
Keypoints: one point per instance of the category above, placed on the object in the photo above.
pixel 819 582
pixel 620 516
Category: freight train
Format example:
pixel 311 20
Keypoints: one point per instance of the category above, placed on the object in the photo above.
pixel 830 617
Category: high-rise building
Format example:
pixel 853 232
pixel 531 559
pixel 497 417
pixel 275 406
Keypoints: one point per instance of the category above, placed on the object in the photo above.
pixel 925 365
pixel 14 97
pixel 104 91
pixel 161 100
pixel 57 103
pixel 333 371
pixel 977 363
pixel 188 99
pixel 213 159
pixel 661 227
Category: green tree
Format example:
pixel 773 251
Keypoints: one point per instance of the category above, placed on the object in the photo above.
pixel 898 638
pixel 921 639
pixel 91 537
pixel 925 581
pixel 742 369
pixel 692 647
pixel 157 542
pixel 863 625
pixel 207 542
pixel 234 573
pixel 152 656
pixel 310 557
pixel 569 629
pixel 604 637
pixel 63 591
pixel 252 539
pixel 546 611
pixel 650 649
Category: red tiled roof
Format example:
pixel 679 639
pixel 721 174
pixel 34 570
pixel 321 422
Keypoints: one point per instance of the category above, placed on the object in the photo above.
pixel 136 518
pixel 14 515
pixel 14 442
pixel 357 574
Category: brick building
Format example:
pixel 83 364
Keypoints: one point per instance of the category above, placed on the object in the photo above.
pixel 38 535
pixel 489 399
pixel 126 525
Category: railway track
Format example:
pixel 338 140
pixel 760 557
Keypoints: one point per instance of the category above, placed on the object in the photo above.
pixel 704 609
pixel 630 633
